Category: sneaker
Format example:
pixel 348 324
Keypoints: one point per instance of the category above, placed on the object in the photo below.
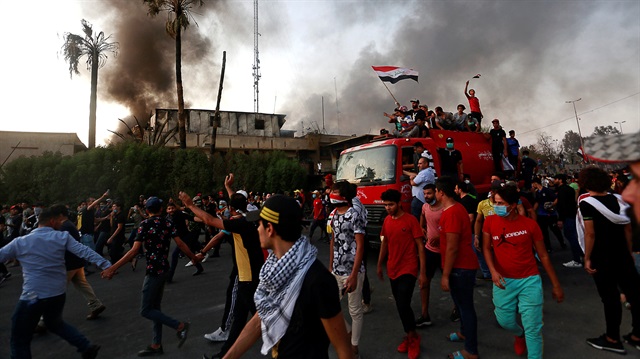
pixel 366 308
pixel 519 345
pixel 206 256
pixel 404 346
pixel 218 336
pixel 455 315
pixel 189 264
pixel 151 351
pixel 627 339
pixel 603 344
pixel 96 312
pixel 423 321
pixel 414 347
pixel 182 334
pixel 572 264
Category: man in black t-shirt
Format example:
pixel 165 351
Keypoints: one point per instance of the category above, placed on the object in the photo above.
pixel 247 255
pixel 115 242
pixel 498 144
pixel 155 233
pixel 450 161
pixel 528 168
pixel 567 208
pixel 607 234
pixel 298 309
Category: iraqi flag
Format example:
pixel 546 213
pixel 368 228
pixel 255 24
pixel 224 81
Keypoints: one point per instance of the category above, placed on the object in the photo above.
pixel 394 74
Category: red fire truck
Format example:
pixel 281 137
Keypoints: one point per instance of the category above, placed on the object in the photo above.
pixel 377 166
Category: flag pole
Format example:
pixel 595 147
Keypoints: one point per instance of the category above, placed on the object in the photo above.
pixel 394 98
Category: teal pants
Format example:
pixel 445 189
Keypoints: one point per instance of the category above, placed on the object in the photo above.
pixel 522 296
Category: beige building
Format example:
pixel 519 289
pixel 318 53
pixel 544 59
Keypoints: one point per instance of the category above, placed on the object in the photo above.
pixel 248 131
pixel 14 145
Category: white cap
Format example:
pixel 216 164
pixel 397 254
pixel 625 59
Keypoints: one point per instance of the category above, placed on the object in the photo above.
pixel 243 192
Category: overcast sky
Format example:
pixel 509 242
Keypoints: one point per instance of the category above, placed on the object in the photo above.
pixel 532 55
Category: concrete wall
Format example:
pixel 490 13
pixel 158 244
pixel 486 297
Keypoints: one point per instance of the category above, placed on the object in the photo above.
pixel 36 143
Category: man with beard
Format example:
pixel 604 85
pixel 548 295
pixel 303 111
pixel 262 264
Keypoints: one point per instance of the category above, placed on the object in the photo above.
pixel 298 310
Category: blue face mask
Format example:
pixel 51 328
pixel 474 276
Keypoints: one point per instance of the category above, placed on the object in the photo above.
pixel 313 196
pixel 501 210
pixel 525 156
pixel 450 145
pixel 220 207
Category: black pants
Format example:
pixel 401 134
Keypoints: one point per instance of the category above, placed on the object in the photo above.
pixel 402 289
pixel 243 307
pixel 608 278
pixel 550 222
pixel 497 160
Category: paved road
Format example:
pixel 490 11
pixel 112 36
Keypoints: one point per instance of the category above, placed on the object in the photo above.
pixel 121 331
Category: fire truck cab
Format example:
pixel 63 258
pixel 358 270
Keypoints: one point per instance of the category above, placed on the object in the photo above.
pixel 377 166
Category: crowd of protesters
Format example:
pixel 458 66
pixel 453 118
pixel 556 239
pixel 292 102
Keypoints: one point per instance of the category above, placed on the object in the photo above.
pixel 281 293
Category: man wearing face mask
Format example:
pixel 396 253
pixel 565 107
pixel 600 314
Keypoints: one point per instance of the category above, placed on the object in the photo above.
pixel 451 161
pixel 507 241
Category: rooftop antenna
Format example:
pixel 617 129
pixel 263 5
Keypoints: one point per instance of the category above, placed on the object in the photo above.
pixel 323 114
pixel 256 59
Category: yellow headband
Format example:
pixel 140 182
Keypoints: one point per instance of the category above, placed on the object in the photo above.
pixel 270 215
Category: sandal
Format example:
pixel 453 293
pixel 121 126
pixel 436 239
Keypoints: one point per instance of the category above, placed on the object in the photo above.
pixel 458 355
pixel 454 337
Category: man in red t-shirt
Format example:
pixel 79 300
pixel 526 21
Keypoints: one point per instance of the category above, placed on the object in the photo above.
pixel 474 104
pixel 401 239
pixel 459 265
pixel 319 216
pixel 508 238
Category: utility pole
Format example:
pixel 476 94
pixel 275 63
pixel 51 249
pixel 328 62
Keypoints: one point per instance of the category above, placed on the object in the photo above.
pixel 620 123
pixel 256 59
pixel 578 123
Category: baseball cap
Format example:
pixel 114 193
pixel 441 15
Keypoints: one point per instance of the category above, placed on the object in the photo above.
pixel 278 209
pixel 614 148
pixel 449 139
pixel 496 184
pixel 243 192
pixel 414 100
pixel 153 202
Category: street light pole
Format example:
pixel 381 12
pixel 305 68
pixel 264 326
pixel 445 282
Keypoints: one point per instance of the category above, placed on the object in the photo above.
pixel 620 123
pixel 578 123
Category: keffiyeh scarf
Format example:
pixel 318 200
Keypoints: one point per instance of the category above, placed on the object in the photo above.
pixel 278 290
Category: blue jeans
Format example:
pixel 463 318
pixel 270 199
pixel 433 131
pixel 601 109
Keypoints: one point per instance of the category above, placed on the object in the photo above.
pixel 483 264
pixel 571 234
pixel 87 240
pixel 150 308
pixel 26 317
pixel 461 284
pixel 416 207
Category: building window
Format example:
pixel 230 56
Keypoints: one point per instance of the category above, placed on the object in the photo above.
pixel 259 124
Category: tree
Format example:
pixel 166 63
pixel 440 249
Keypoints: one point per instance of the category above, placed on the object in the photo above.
pixel 571 143
pixel 95 49
pixel 178 20
pixel 605 130
pixel 545 146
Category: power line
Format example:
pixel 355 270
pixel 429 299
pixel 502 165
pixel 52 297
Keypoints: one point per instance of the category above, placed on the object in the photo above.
pixel 580 114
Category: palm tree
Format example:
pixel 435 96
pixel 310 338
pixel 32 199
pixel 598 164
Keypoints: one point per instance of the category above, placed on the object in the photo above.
pixel 95 48
pixel 178 20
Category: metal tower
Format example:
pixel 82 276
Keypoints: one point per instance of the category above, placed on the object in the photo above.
pixel 256 59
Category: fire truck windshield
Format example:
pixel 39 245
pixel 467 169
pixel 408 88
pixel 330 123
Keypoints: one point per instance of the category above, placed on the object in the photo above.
pixel 369 166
